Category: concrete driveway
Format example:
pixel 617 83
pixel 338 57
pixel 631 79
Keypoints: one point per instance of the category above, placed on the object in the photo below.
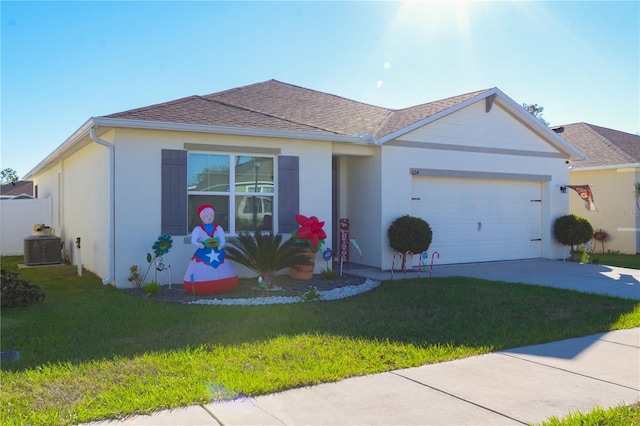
pixel 589 278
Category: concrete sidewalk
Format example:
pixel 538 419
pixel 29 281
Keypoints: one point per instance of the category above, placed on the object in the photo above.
pixel 517 386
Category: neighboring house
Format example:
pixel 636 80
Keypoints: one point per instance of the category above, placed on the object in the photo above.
pixel 613 171
pixel 484 173
pixel 16 190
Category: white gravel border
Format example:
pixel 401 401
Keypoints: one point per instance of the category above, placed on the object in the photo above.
pixel 336 293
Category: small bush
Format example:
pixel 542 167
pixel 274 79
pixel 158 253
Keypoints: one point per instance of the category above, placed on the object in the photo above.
pixel 571 230
pixel 17 293
pixel 135 278
pixel 328 274
pixel 151 288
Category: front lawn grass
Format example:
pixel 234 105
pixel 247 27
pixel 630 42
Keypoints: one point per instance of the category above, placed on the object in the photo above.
pixel 91 351
pixel 616 259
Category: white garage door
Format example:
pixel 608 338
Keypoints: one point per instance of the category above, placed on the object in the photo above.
pixel 480 220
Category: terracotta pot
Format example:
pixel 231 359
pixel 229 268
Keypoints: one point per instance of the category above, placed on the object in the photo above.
pixel 304 272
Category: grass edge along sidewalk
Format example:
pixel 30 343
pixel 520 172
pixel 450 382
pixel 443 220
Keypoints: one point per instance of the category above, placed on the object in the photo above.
pixel 620 415
pixel 92 352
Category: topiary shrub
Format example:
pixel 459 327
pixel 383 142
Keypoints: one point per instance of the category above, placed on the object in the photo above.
pixel 17 293
pixel 571 230
pixel 408 233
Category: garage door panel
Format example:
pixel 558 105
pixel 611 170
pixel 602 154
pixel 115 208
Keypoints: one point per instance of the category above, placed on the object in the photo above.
pixel 475 220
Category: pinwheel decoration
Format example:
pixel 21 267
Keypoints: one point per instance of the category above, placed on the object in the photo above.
pixel 162 245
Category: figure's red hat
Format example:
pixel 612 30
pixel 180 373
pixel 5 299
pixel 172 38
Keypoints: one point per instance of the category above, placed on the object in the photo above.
pixel 204 208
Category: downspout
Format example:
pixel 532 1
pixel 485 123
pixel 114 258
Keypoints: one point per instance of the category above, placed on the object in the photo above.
pixel 110 147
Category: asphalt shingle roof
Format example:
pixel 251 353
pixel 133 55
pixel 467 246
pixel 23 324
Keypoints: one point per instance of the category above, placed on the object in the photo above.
pixel 273 105
pixel 17 188
pixel 602 146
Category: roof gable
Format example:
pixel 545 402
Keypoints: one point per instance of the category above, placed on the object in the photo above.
pixel 603 146
pixel 404 118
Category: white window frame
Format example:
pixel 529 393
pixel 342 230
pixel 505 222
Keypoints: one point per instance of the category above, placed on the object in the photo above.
pixel 232 193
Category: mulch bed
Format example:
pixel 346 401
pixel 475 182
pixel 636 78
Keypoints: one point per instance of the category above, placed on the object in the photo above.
pixel 248 288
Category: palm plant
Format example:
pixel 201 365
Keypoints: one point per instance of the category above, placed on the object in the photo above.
pixel 265 254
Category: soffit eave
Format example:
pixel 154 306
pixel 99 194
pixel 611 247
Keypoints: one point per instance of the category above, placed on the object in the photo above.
pixel 606 167
pixel 82 133
pixel 225 130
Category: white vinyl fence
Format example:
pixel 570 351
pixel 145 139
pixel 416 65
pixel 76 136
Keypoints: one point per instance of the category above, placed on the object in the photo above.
pixel 17 218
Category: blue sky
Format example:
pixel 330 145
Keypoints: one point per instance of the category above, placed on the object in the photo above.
pixel 64 62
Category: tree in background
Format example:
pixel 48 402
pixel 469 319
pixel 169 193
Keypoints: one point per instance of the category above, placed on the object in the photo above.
pixel 8 176
pixel 536 111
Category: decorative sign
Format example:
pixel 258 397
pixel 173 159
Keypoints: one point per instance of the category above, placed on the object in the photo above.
pixel 344 240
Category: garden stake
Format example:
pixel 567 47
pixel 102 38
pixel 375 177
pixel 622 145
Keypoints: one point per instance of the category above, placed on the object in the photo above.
pixel 404 263
pixel 431 269
pixel 193 287
pixel 326 255
pixel 393 262
pixel 423 255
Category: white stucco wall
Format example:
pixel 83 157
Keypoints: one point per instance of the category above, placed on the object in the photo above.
pixel 138 193
pixel 78 187
pixel 85 212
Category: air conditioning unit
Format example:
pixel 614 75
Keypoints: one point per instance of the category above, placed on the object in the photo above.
pixel 42 250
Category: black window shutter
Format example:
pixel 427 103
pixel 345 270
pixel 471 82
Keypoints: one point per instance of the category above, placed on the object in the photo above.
pixel 288 193
pixel 174 192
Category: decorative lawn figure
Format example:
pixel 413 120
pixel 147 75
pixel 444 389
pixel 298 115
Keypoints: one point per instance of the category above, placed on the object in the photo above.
pixel 208 272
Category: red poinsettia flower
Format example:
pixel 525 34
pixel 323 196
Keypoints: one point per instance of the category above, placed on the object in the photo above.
pixel 310 231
